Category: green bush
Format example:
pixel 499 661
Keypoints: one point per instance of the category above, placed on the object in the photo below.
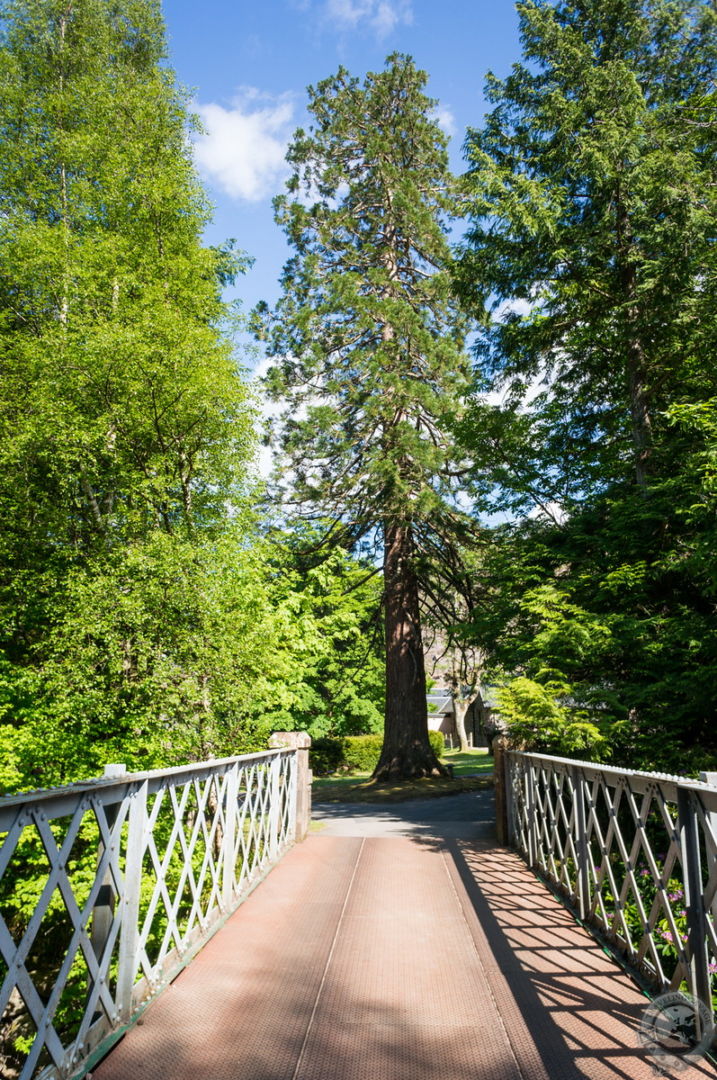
pixel 437 741
pixel 357 753
pixel 326 755
pixel 361 752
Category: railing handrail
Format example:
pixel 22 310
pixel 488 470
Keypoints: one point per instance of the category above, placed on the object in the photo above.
pixel 82 787
pixel 614 770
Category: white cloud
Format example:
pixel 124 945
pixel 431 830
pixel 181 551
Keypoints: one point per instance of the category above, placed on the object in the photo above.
pixel 516 306
pixel 243 147
pixel 268 411
pixel 445 119
pixel 503 395
pixel 381 16
pixel 552 510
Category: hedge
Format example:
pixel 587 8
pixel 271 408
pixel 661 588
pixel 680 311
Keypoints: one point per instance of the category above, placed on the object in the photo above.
pixel 355 753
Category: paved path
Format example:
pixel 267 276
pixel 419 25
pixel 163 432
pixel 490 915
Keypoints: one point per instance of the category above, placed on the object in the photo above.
pixel 469 816
pixel 396 943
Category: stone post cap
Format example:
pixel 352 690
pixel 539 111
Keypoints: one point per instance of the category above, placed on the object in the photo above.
pixel 289 740
pixel 114 771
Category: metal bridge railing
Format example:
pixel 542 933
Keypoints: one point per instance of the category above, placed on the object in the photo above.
pixel 634 853
pixel 109 887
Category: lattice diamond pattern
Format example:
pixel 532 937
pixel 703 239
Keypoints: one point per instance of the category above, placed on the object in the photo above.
pixel 129 878
pixel 631 856
pixel 58 904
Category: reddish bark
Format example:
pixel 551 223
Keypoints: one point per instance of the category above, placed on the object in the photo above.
pixel 406 750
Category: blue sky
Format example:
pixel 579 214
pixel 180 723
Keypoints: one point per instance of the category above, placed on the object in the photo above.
pixel 249 62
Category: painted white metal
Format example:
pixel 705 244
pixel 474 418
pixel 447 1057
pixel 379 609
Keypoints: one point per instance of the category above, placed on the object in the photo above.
pixel 635 853
pixel 176 850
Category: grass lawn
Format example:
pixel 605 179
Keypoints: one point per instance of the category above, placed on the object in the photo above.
pixel 471 770
pixel 473 761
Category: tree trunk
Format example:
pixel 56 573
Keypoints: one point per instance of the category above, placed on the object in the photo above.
pixel 635 360
pixel 460 710
pixel 639 411
pixel 406 750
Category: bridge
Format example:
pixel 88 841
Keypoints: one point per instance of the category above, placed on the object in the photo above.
pixel 406 942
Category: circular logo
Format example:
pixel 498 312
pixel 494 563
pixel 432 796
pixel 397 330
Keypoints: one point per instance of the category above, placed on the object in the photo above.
pixel 676 1029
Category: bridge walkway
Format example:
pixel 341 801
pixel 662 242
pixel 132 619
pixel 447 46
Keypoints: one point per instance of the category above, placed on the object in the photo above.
pixel 395 945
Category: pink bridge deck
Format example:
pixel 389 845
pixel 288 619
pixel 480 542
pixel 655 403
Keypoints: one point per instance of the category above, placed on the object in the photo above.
pixel 399 959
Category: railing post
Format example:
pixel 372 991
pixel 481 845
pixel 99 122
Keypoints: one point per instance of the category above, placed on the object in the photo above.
pixel 711 779
pixel 531 830
pixel 274 806
pixel 231 809
pixel 697 953
pixel 510 766
pixel 103 913
pixel 581 841
pixel 129 930
pixel 300 742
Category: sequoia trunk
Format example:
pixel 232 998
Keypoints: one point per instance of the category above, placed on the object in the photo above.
pixel 406 750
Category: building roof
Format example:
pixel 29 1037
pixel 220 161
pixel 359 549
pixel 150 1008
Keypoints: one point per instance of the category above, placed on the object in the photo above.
pixel 440 701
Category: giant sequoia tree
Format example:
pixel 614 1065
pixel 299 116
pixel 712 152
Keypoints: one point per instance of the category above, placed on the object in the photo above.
pixel 368 346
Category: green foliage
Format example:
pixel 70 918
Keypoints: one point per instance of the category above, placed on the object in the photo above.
pixel 437 741
pixel 326 755
pixel 362 752
pixel 596 606
pixel 125 428
pixel 592 209
pixel 592 193
pixel 177 649
pixel 332 630
pixel 141 616
pixel 540 717
pixel 367 335
pixel 160 657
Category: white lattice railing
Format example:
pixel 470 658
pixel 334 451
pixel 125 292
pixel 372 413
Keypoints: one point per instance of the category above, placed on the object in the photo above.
pixel 109 887
pixel 636 855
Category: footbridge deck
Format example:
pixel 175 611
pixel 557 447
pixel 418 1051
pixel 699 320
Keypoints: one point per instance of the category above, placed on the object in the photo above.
pixel 397 944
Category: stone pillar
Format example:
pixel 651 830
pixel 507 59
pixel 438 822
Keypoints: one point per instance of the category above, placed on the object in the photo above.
pixel 501 792
pixel 711 779
pixel 300 742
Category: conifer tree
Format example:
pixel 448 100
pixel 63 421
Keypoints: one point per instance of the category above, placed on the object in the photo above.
pixel 369 353
pixel 593 197
pixel 592 205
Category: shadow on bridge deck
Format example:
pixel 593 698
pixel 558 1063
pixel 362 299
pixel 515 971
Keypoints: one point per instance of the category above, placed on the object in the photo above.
pixel 398 943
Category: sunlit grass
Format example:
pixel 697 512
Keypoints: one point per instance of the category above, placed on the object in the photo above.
pixel 470 762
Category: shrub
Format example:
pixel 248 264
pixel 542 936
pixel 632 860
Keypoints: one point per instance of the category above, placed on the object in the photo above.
pixel 361 752
pixel 437 741
pixel 538 719
pixel 326 755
